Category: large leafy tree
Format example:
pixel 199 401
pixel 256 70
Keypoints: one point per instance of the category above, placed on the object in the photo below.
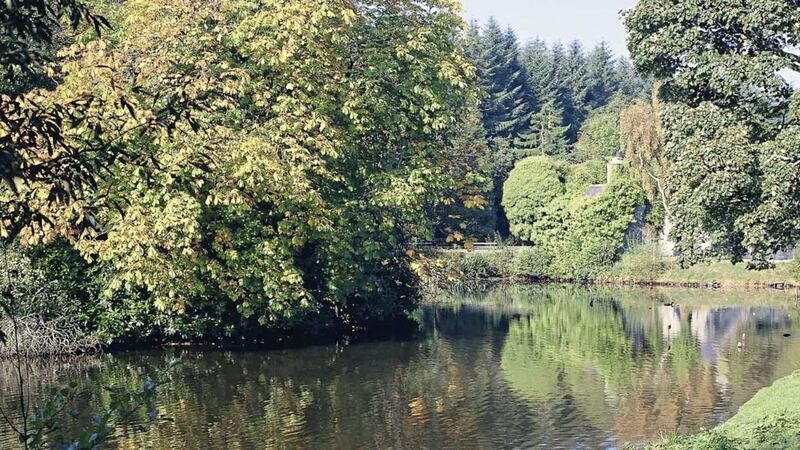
pixel 326 136
pixel 730 128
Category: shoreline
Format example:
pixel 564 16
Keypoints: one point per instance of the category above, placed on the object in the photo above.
pixel 769 420
pixel 449 268
pixel 720 286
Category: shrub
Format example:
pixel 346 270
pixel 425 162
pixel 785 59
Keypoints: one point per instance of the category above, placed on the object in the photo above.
pixel 533 263
pixel 50 318
pixel 501 263
pixel 37 337
pixel 533 184
pixel 640 263
pixel 475 265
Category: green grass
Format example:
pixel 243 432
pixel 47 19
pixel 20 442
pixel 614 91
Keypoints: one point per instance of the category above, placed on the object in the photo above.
pixel 770 420
pixel 730 275
pixel 641 264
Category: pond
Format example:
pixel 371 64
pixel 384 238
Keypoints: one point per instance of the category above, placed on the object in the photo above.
pixel 516 367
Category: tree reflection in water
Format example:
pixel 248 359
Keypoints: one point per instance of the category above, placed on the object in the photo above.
pixel 517 367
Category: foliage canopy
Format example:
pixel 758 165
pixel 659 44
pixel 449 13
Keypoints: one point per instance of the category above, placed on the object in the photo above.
pixel 320 138
pixel 730 128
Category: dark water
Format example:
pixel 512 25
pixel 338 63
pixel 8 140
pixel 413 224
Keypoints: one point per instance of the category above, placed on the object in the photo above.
pixel 523 367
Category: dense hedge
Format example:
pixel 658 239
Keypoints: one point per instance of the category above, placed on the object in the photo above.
pixel 581 237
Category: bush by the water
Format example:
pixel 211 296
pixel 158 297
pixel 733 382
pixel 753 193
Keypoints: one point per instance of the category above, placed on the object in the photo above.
pixel 474 265
pixel 547 206
pixel 46 311
pixel 532 263
pixel 481 265
pixel 640 263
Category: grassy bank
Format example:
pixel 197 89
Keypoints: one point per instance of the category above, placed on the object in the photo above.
pixel 732 275
pixel 770 420
pixel 639 266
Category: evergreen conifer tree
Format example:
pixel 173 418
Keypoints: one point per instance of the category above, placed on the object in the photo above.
pixel 538 65
pixel 472 45
pixel 578 85
pixel 629 83
pixel 548 135
pixel 600 74
pixel 508 102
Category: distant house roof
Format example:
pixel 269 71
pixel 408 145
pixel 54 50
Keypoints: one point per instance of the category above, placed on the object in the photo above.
pixel 595 190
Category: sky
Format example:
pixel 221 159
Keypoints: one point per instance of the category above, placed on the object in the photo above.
pixel 589 21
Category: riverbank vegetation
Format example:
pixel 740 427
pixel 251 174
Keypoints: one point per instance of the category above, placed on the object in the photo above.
pixel 642 264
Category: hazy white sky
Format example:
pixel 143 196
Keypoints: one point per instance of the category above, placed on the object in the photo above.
pixel 589 21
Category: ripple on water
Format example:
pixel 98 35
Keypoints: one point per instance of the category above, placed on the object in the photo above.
pixel 517 368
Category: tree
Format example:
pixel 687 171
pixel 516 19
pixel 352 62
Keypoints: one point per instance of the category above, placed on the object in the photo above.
pixel 539 67
pixel 599 136
pixel 508 102
pixel 533 184
pixel 640 138
pixel 466 211
pixel 549 135
pixel 729 125
pixel 315 165
pixel 600 73
pixel 550 78
pixel 629 83
pixel 576 71
pixel 561 92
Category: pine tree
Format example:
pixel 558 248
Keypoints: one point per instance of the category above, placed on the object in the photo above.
pixel 629 82
pixel 576 68
pixel 561 93
pixel 601 77
pixel 578 85
pixel 549 135
pixel 538 64
pixel 508 102
pixel 472 45
pixel 558 57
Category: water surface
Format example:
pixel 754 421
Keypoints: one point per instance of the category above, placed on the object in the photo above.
pixel 519 367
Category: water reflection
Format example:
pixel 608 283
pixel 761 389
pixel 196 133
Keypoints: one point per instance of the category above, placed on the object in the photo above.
pixel 520 367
